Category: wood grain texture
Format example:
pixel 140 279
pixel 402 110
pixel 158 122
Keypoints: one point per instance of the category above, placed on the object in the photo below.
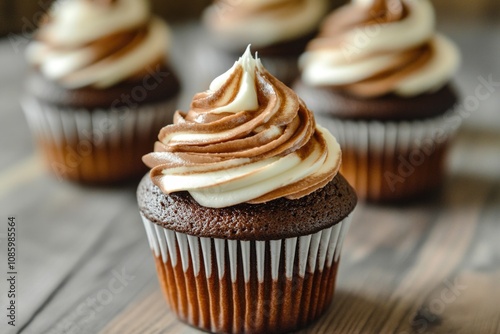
pixel 407 272
pixel 430 267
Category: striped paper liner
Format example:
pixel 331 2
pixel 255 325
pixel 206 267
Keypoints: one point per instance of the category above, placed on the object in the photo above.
pixel 234 286
pixel 392 161
pixel 98 146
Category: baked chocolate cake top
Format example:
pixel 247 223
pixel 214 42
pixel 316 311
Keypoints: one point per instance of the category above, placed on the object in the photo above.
pixel 390 107
pixel 159 84
pixel 276 219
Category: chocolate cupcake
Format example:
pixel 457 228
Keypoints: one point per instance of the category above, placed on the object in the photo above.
pixel 244 208
pixel 278 30
pixel 99 88
pixel 379 78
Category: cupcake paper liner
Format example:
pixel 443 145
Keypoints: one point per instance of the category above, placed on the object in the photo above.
pixel 98 146
pixel 235 286
pixel 390 161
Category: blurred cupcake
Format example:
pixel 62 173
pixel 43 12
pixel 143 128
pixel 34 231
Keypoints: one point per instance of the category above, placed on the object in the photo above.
pixel 278 30
pixel 244 207
pixel 379 78
pixel 99 88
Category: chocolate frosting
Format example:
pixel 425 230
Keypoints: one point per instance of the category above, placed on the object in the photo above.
pixel 379 47
pixel 98 44
pixel 262 23
pixel 250 139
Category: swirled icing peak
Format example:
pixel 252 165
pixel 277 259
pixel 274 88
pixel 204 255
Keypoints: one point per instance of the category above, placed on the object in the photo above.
pixel 375 47
pixel 249 138
pixel 98 43
pixel 246 98
pixel 263 22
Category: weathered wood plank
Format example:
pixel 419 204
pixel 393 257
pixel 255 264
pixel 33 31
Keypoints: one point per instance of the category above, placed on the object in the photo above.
pixel 396 263
pixel 402 273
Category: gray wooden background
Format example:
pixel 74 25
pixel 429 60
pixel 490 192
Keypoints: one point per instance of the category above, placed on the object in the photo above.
pixel 430 267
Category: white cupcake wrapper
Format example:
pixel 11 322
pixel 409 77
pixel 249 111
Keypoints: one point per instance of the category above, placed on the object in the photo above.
pixel 390 137
pixel 57 124
pixel 389 140
pixel 248 264
pixel 83 129
pixel 166 243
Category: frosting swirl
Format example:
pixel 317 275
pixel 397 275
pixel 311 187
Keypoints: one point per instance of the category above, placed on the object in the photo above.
pixel 98 43
pixel 263 22
pixel 376 47
pixel 249 138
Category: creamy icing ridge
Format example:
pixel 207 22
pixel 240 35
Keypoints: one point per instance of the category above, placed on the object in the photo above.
pixel 249 138
pixel 263 22
pixel 98 43
pixel 375 47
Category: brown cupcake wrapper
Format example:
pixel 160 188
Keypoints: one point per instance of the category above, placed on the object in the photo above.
pixel 96 146
pixel 234 286
pixel 392 161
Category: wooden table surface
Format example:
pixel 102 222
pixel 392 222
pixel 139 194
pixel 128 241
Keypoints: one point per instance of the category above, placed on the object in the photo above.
pixel 429 267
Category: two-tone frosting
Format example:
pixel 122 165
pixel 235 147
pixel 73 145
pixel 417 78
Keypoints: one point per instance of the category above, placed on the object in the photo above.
pixel 263 23
pixel 371 48
pixel 249 138
pixel 98 43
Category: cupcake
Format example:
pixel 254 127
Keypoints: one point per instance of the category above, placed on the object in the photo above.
pixel 278 30
pixel 244 208
pixel 99 88
pixel 378 77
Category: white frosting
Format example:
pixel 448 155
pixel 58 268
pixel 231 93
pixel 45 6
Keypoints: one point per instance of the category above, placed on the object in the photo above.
pixel 241 181
pixel 275 151
pixel 246 99
pixel 262 27
pixel 436 72
pixel 361 55
pixel 77 22
pixel 65 52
